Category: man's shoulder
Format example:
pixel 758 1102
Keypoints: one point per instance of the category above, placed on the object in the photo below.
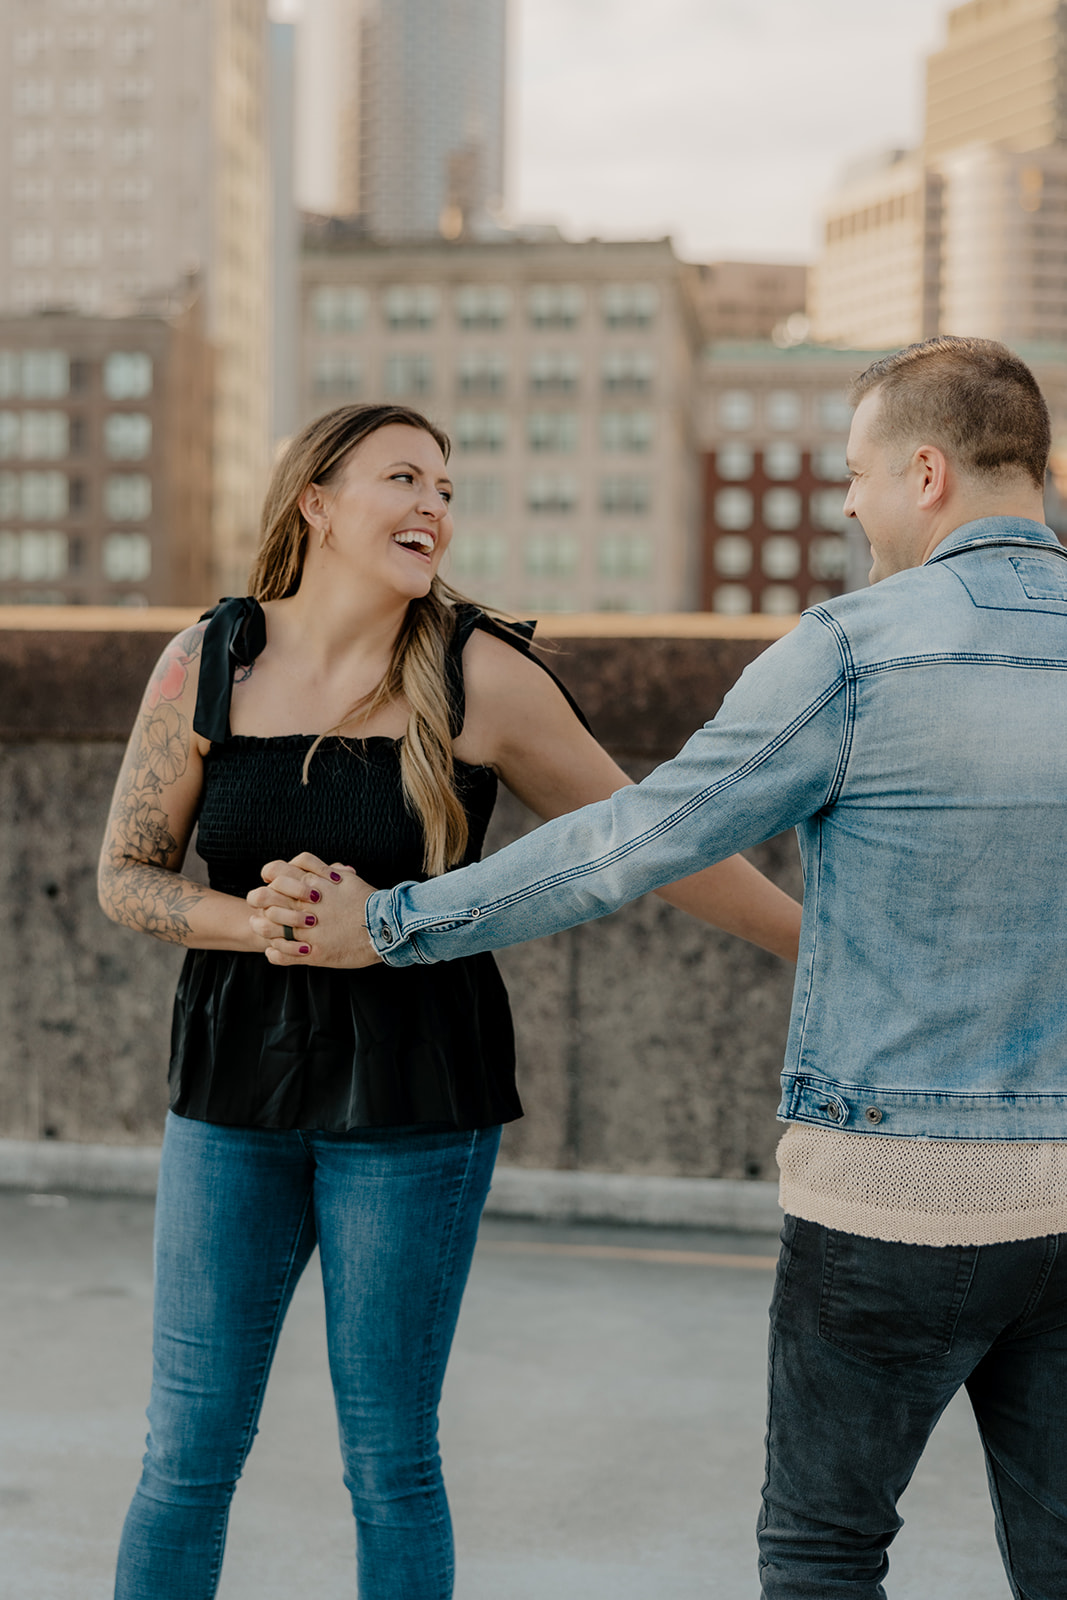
pixel 910 613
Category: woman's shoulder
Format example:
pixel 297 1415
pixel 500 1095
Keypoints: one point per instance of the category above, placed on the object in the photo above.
pixel 176 674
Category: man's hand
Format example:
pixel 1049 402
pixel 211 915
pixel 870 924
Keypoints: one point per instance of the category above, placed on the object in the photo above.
pixel 325 907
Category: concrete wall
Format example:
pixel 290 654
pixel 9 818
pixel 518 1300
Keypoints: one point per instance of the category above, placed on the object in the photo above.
pixel 648 1043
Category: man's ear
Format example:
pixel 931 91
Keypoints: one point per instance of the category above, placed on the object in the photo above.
pixel 932 470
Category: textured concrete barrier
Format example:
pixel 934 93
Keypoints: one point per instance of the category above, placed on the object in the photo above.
pixel 649 1044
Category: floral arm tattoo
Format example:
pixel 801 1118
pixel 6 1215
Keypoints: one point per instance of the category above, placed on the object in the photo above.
pixel 139 886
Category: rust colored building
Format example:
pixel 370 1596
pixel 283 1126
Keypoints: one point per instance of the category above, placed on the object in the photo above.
pixel 105 459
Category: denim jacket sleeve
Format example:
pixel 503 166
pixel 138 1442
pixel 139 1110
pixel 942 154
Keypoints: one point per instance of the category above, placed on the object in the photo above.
pixel 773 755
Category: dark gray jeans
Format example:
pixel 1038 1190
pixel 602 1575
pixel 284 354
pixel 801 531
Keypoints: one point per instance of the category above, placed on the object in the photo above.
pixel 869 1342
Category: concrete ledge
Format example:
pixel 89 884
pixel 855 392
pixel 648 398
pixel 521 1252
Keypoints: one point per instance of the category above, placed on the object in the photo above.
pixel 52 1166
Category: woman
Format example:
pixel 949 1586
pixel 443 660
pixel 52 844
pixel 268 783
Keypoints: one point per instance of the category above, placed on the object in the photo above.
pixel 358 1111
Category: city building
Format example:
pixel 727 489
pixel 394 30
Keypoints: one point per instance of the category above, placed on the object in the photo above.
pixel 105 458
pixel 423 154
pixel 748 299
pixel 133 149
pixel 1013 285
pixel 1000 78
pixel 564 375
pixel 772 425
pixel 877 279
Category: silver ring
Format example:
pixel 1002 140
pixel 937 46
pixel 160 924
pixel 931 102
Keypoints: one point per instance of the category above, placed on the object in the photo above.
pixel 288 932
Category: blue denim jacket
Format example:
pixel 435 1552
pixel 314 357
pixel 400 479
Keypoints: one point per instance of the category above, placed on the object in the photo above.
pixel 915 734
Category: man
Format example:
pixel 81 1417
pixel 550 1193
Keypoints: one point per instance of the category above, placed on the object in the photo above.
pixel 915 734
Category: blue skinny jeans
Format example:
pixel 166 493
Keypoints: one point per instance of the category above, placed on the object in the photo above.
pixel 395 1214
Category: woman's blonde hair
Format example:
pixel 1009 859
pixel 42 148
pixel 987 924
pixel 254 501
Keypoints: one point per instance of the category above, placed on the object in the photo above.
pixel 417 671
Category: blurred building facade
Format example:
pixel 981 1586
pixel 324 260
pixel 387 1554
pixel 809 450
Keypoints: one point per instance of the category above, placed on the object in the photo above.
pixel 133 150
pixel 422 149
pixel 564 374
pixel 772 426
pixel 105 458
pixel 748 299
pixel 965 234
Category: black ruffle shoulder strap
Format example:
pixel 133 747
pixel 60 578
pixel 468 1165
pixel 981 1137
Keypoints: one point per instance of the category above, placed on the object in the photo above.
pixel 235 634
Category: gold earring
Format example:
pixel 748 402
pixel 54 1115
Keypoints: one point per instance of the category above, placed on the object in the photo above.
pixel 323 531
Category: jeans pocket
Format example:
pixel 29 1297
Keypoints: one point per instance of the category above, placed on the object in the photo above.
pixel 892 1304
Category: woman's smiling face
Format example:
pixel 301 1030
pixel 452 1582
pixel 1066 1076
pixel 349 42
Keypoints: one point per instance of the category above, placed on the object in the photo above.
pixel 387 511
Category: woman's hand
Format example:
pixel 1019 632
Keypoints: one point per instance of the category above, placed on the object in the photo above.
pixel 325 907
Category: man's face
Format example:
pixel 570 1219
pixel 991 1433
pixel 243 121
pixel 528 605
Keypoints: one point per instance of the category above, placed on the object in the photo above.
pixel 882 494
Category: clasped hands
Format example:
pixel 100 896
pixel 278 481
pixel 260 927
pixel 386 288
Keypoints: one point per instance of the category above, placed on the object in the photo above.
pixel 324 906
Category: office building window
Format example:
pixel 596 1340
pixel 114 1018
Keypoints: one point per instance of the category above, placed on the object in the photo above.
pixel 128 436
pixel 733 508
pixel 481 430
pixel 731 600
pixel 29 43
pixel 828 510
pixel 132 42
pixel 552 430
pixel 554 372
pixel 33 556
pixel 783 409
pixel 781 508
pixel 478 497
pixel 779 600
pixel 131 241
pixel 132 91
pixel 81 190
pixel 127 557
pixel 128 496
pixel 555 305
pixel 483 305
pixel 127 375
pixel 84 95
pixel 550 555
pixel 478 555
pixel 32 144
pixel 737 409
pixel 132 191
pixel 828 558
pixel 629 305
pixel 734 462
pixel 555 492
pixel 130 144
pixel 338 308
pixel 31 247
pixel 411 306
pixel 82 245
pixel 780 556
pixel 482 373
pixel 45 435
pixel 82 141
pixel 32 191
pixel 408 375
pixel 626 494
pixel 733 555
pixel 829 463
pixel 781 459
pixel 43 494
pixel 82 41
pixel 337 373
pixel 32 97
pixel 628 372
pixel 834 410
pixel 626 431
pixel 624 555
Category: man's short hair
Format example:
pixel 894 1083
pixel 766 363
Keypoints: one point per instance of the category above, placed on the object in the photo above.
pixel 973 398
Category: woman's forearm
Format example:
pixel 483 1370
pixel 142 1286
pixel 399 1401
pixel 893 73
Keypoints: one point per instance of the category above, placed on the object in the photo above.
pixel 735 896
pixel 176 909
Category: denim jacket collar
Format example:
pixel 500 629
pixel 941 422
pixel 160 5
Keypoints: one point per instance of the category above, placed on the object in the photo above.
pixel 988 531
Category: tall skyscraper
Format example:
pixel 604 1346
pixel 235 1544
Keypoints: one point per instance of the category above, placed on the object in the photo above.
pixel 424 155
pixel 1000 78
pixel 133 151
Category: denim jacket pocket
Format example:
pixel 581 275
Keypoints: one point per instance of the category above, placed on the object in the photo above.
pixel 892 1304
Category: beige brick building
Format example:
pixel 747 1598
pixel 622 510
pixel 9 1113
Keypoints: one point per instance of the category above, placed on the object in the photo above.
pixel 105 449
pixel 133 149
pixel 999 78
pixel 564 374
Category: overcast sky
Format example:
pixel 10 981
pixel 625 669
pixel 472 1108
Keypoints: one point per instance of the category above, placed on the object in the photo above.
pixel 721 122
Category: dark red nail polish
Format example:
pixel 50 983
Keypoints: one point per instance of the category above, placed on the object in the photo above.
pixel 336 876
pixel 315 896
pixel 305 949
pixel 310 921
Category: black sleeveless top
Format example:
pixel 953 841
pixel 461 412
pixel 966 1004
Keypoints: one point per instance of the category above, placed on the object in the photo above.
pixel 313 1047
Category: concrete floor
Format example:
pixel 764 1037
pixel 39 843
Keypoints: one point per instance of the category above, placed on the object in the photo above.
pixel 602 1425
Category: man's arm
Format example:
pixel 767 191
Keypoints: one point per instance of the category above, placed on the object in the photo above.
pixel 772 756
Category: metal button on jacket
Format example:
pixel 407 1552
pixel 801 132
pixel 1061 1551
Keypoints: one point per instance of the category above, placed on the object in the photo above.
pixel 873 1114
